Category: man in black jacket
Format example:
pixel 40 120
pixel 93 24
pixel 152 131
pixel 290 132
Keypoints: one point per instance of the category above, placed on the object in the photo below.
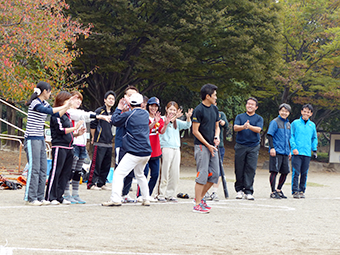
pixel 101 133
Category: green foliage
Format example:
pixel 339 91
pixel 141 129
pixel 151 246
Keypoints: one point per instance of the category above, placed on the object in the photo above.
pixel 151 44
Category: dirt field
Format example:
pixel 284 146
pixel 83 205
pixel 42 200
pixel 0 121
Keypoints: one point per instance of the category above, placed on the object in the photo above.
pixel 263 226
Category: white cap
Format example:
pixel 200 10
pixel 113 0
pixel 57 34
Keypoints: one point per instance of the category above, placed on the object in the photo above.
pixel 136 99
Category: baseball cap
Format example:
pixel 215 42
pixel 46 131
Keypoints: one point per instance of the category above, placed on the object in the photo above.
pixel 153 100
pixel 136 99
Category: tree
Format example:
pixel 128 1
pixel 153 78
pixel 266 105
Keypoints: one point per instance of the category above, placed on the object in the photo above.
pixel 33 45
pixel 151 44
pixel 311 57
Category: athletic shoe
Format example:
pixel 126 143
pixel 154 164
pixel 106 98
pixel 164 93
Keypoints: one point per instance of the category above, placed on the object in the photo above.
pixel 45 202
pixel 71 199
pixel 250 197
pixel 140 199
pixel 280 193
pixel 79 200
pixel 200 209
pixel 146 202
pixel 111 203
pixel 161 199
pixel 275 195
pixel 296 195
pixel 34 203
pixel 153 200
pixel 128 199
pixel 104 187
pixel 55 202
pixel 239 194
pixel 203 202
pixel 302 195
pixel 207 195
pixel 66 202
pixel 214 197
pixel 94 187
pixel 172 199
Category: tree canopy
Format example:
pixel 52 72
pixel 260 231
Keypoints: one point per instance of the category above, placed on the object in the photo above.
pixel 151 44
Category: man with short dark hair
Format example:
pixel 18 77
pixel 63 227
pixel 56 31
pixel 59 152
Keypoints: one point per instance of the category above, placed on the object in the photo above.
pixel 101 132
pixel 303 141
pixel 205 128
pixel 248 126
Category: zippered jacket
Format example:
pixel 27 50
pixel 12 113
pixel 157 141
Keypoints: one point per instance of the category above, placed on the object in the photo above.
pixel 279 129
pixel 304 137
pixel 58 131
pixel 103 133
pixel 136 123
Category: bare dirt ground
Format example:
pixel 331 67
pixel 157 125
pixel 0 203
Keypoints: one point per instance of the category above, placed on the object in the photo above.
pixel 263 226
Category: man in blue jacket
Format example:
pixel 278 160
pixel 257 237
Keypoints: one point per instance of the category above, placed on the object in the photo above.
pixel 303 141
pixel 137 146
pixel 279 150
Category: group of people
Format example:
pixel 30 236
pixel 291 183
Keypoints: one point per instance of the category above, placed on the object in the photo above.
pixel 296 141
pixel 143 137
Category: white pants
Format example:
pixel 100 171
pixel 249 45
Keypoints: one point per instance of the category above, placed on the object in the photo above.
pixel 124 167
pixel 168 181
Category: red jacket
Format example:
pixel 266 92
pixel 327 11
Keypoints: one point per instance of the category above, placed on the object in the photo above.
pixel 154 138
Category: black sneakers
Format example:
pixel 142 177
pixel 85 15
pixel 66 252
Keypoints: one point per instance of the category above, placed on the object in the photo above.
pixel 275 195
pixel 280 193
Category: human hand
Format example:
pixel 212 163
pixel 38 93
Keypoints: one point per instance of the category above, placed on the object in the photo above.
pixel 81 131
pixel 315 154
pixel 222 122
pixel 188 114
pixel 212 149
pixel 295 152
pixel 79 123
pixel 217 141
pixel 272 152
pixel 246 125
pixel 104 117
pixel 157 116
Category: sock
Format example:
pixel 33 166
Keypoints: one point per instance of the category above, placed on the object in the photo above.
pixel 75 188
pixel 67 189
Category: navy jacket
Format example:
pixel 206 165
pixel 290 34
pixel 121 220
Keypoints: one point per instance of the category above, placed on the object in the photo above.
pixel 136 123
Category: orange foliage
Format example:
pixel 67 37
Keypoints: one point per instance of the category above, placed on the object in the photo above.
pixel 33 46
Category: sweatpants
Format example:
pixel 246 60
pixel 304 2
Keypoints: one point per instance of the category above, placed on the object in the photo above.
pixel 62 160
pixel 300 166
pixel 37 168
pixel 100 166
pixel 125 166
pixel 245 167
pixel 169 173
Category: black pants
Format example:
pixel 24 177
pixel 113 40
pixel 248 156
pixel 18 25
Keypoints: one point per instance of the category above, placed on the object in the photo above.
pixel 100 166
pixel 245 167
pixel 60 173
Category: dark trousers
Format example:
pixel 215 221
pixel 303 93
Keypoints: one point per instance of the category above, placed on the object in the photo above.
pixel 62 160
pixel 100 166
pixel 245 167
pixel 153 164
pixel 300 166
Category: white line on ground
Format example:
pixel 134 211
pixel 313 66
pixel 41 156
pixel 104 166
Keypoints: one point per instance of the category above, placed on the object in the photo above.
pixel 10 250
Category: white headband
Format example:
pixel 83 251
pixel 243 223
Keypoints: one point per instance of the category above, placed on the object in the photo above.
pixel 37 90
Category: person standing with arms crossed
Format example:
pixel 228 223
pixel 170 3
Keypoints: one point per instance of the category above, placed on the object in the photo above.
pixel 205 128
pixel 248 126
pixel 303 141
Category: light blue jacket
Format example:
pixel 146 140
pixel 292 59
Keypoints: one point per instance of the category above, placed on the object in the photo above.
pixel 304 137
pixel 171 137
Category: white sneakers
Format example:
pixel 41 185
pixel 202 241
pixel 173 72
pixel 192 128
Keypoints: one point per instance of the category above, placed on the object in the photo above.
pixel 240 195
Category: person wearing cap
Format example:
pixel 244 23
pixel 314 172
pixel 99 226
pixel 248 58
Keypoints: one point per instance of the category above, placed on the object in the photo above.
pixel 279 150
pixel 101 133
pixel 136 145
pixel 157 126
pixel 303 141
